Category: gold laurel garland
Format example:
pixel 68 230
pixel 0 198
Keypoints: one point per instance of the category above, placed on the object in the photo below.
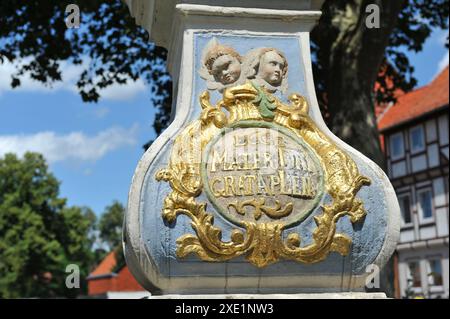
pixel 262 243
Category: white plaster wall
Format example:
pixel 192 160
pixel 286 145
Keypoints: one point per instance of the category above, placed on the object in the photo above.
pixel 427 232
pixel 431 130
pixel 443 129
pixel 440 196
pixel 398 169
pixel 444 151
pixel 407 235
pixel 433 155
pixel 419 163
pixel 442 222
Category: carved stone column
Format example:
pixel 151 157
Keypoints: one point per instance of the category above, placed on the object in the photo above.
pixel 248 191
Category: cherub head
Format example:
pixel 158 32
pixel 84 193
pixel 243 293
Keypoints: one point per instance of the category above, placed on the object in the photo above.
pixel 221 66
pixel 272 67
pixel 223 63
pixel 268 67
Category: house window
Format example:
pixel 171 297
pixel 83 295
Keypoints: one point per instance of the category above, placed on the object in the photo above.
pixel 434 272
pixel 405 208
pixel 413 275
pixel 397 146
pixel 417 140
pixel 425 205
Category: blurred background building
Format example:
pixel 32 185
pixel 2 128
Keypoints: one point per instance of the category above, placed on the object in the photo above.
pixel 103 282
pixel 415 137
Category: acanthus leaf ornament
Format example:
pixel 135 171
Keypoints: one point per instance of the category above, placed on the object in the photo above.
pixel 259 238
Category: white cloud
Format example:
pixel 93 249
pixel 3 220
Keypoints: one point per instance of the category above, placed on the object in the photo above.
pixel 442 37
pixel 125 92
pixel 70 74
pixel 101 112
pixel 87 172
pixel 74 146
pixel 442 64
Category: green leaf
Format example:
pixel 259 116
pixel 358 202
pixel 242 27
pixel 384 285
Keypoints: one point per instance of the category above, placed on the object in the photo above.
pixel 266 104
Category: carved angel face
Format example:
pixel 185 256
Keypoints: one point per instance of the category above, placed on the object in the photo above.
pixel 271 68
pixel 226 69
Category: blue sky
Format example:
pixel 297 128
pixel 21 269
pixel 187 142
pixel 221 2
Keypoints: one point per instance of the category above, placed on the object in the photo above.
pixel 432 59
pixel 93 149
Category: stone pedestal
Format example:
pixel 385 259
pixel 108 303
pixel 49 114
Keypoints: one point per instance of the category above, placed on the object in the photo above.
pixel 248 191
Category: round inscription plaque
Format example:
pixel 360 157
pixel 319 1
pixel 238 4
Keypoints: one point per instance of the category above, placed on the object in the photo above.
pixel 262 173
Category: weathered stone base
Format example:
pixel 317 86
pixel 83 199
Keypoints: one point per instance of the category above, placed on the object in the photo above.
pixel 342 295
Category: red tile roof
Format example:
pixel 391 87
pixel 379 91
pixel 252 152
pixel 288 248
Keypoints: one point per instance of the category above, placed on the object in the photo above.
pixel 417 103
pixel 125 281
pixel 103 280
pixel 106 266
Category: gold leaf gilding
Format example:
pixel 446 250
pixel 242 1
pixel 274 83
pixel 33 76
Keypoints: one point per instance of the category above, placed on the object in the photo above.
pixel 262 243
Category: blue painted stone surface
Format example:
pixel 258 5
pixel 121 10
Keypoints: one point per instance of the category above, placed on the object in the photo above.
pixel 160 238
